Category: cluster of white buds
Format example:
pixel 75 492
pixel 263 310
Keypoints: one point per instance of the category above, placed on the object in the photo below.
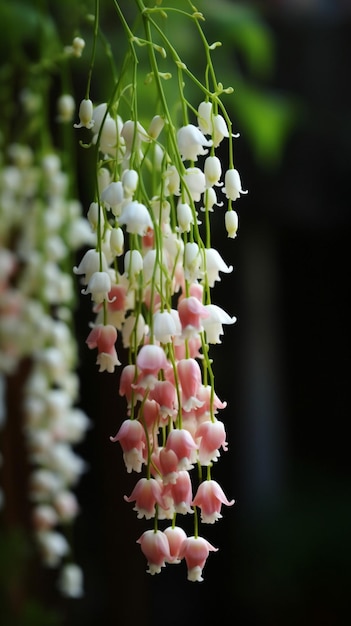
pixel 40 230
pixel 149 276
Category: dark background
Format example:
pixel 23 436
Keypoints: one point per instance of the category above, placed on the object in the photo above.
pixel 284 547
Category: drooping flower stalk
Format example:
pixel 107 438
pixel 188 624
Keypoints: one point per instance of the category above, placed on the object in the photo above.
pixel 155 178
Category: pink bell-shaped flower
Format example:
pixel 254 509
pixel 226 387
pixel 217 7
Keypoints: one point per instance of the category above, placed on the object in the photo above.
pixel 155 546
pixel 209 498
pixel 146 494
pixel 131 437
pixel 104 338
pixel 189 374
pixel 212 436
pixel 176 537
pixel 195 550
pixel 191 312
pixel 182 493
pixel 184 446
pixel 151 360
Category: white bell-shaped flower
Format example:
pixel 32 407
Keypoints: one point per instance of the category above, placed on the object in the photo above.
pixel 117 241
pixel 171 181
pixel 213 171
pixel 156 125
pixel 213 323
pixel 133 134
pixel 213 264
pixel 98 286
pixel 130 179
pixel 231 223
pixel 219 129
pixel 136 218
pixel 210 199
pixel 113 196
pixel 133 263
pixel 232 182
pixel 184 217
pixel 164 326
pixel 195 181
pixel 204 117
pixel 93 216
pixel 191 142
pixel 65 108
pixel 192 262
pixel 85 114
pixel 90 263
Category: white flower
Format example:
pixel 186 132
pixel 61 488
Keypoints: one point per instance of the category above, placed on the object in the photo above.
pixel 130 179
pixel 98 286
pixel 164 326
pixel 219 129
pixel 85 114
pixel 231 223
pixel 213 323
pixel 133 263
pixel 204 117
pixel 78 45
pixel 71 581
pixel 191 142
pixel 65 108
pixel 53 547
pixel 171 181
pixel 213 171
pixel 113 196
pixel 90 263
pixel 192 262
pixel 117 241
pixel 213 264
pixel 133 134
pixel 134 329
pixel 184 216
pixel 195 181
pixel 156 125
pixel 210 199
pixel 136 217
pixel 232 182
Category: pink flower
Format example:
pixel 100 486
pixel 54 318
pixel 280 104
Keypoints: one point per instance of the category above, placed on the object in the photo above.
pixel 164 392
pixel 182 493
pixel 146 494
pixel 128 386
pixel 209 498
pixel 212 436
pixel 104 338
pixel 155 546
pixel 184 446
pixel 195 550
pixel 168 464
pixel 176 537
pixel 131 437
pixel 151 360
pixel 191 311
pixel 190 379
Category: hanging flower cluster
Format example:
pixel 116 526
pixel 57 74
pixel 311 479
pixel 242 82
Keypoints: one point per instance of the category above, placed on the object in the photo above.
pixel 150 277
pixel 41 228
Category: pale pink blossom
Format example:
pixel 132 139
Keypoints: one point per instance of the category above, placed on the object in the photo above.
pixel 195 551
pixel 184 446
pixel 155 547
pixel 213 324
pixel 182 493
pixel 131 437
pixel 146 494
pixel 190 378
pixel 176 537
pixel 209 498
pixel 211 436
pixel 151 360
pixel 104 339
pixel 191 313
